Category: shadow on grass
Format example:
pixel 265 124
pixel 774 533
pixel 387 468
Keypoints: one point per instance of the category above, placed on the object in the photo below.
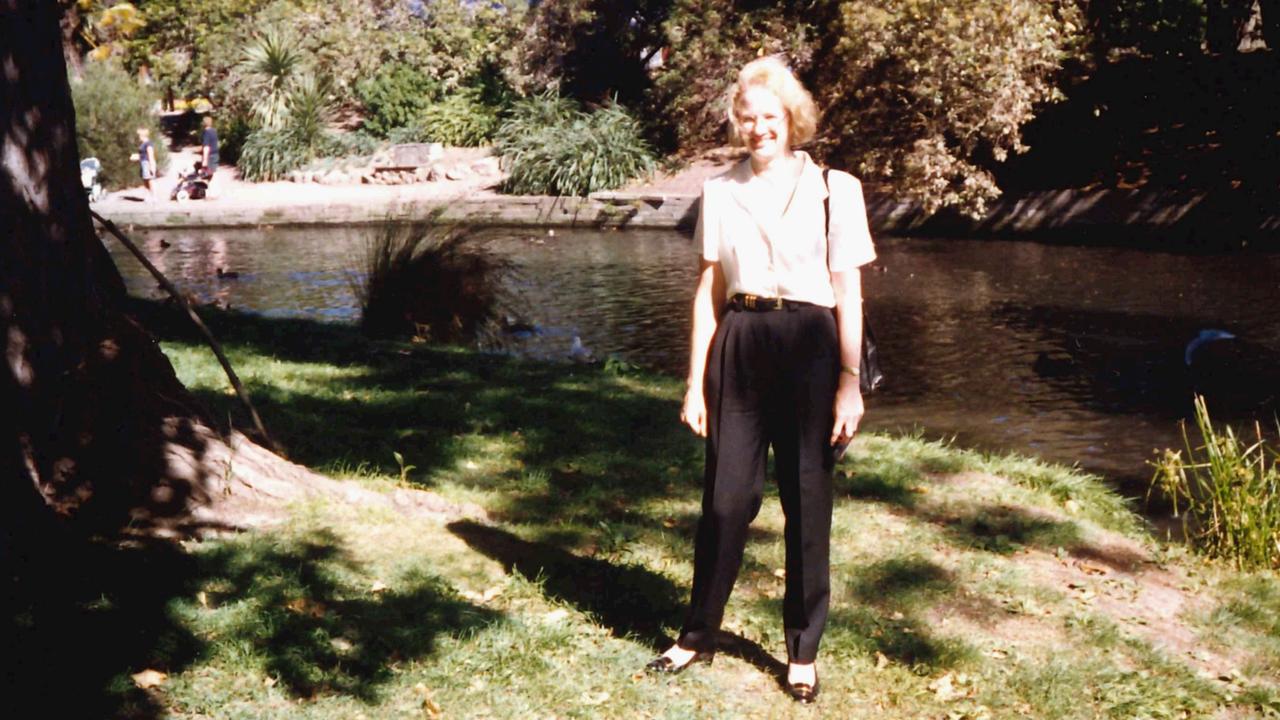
pixel 317 630
pixel 994 527
pixel 628 599
pixel 894 597
pixel 594 440
pixel 86 615
pixel 1003 529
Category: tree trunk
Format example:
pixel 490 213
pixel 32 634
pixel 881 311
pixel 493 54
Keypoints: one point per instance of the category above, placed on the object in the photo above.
pixel 95 428
pixel 1225 21
pixel 1270 10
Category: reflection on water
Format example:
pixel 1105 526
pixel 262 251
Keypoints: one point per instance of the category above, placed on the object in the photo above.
pixel 1071 353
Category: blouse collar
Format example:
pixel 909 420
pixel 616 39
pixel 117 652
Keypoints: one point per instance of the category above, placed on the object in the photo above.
pixel 810 186
pixel 810 180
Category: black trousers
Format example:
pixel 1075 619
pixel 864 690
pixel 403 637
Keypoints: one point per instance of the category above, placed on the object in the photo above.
pixel 770 380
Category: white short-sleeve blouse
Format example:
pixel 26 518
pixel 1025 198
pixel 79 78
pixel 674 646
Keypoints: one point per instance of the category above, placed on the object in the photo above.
pixel 785 256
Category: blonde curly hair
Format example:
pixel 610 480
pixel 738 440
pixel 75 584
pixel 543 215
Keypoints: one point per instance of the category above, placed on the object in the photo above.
pixel 772 73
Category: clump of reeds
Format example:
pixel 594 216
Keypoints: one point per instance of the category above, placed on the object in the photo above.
pixel 1227 492
pixel 429 282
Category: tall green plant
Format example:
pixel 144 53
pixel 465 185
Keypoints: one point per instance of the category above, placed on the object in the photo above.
pixel 310 108
pixel 395 97
pixel 271 63
pixel 552 148
pixel 462 118
pixel 1227 492
pixel 270 153
pixel 110 107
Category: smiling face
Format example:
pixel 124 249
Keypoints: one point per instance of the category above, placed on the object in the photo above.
pixel 763 125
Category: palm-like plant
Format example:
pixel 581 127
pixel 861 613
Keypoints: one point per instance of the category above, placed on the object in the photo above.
pixel 308 108
pixel 271 64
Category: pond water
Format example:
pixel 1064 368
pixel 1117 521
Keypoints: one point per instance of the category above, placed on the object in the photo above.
pixel 1073 354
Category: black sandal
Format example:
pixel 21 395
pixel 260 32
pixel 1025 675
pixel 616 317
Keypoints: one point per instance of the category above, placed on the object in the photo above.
pixel 663 665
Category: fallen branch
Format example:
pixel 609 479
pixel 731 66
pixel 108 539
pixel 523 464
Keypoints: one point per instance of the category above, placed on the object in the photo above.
pixel 195 318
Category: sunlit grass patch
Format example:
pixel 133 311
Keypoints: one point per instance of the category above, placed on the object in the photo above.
pixel 897 470
pixel 1249 615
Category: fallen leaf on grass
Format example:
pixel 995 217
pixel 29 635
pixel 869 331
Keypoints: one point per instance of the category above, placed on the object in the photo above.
pixel 980 712
pixel 943 689
pixel 148 679
pixel 304 606
pixel 429 705
pixel 596 698
pixel 882 662
pixel 555 616
pixel 377 586
pixel 1091 569
pixel 946 690
pixel 780 573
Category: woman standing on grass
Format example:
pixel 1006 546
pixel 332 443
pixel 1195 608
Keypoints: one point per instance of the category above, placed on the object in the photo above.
pixel 777 329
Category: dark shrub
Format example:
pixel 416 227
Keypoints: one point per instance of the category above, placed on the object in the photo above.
pixel 396 97
pixel 430 282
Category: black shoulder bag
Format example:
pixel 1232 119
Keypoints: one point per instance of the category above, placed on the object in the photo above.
pixel 870 376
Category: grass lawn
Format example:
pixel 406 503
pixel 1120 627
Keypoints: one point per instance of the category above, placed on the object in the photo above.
pixel 964 585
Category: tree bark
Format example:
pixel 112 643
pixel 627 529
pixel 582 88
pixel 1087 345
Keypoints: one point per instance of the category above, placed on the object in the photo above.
pixel 1270 10
pixel 1225 21
pixel 95 428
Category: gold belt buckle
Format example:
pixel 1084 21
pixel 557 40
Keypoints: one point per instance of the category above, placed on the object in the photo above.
pixel 777 303
pixel 749 302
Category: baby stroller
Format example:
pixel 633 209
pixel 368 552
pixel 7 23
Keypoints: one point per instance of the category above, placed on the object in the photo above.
pixel 192 186
pixel 89 170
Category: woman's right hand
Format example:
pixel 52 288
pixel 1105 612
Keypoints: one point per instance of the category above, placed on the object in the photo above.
pixel 694 412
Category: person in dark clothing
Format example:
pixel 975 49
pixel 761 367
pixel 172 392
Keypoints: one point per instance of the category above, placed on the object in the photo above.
pixel 774 361
pixel 146 157
pixel 209 148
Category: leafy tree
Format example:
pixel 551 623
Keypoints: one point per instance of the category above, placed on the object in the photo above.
pixel 110 27
pixel 918 95
pixel 592 50
pixel 706 42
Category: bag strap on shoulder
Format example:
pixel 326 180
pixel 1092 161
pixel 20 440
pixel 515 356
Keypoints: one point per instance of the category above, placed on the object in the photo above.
pixel 826 211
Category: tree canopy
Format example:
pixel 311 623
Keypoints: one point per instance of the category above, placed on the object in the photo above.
pixel 923 97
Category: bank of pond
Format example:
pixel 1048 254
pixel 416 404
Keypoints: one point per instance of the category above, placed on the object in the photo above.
pixel 1079 355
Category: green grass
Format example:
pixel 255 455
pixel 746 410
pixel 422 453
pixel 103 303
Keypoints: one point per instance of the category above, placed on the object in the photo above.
pixel 940 604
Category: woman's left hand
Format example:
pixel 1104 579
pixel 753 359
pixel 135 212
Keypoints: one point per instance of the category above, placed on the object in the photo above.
pixel 848 410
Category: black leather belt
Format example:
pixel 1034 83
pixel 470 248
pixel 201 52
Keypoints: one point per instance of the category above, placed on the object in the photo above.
pixel 757 303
